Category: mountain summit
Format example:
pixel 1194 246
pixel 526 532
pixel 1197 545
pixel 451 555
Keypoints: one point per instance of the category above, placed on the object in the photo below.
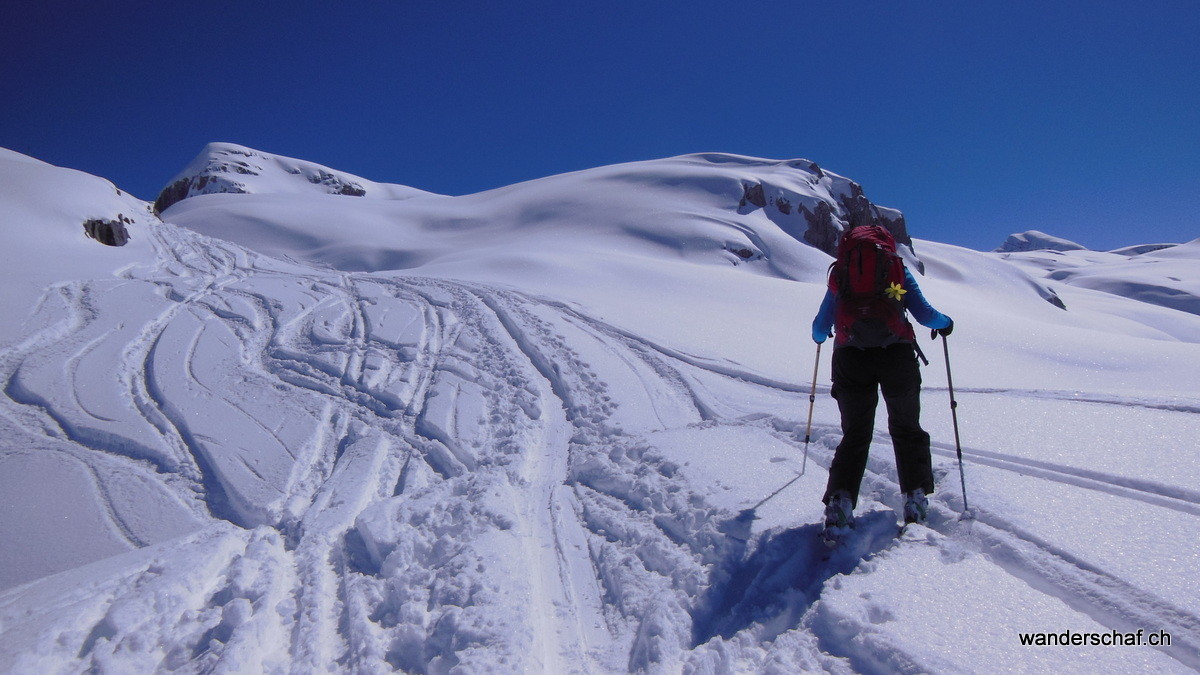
pixel 706 208
pixel 1032 240
pixel 230 168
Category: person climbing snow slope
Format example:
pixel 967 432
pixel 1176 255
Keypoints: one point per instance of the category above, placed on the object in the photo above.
pixel 869 292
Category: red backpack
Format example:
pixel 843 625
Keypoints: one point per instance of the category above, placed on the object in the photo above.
pixel 868 281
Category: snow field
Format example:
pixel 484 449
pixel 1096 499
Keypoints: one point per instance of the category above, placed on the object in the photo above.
pixel 545 429
pixel 876 612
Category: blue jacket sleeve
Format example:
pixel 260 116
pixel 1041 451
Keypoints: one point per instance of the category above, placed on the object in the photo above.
pixel 919 307
pixel 822 326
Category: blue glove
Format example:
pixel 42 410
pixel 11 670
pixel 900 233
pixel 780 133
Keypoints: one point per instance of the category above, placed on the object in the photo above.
pixel 942 331
pixel 819 336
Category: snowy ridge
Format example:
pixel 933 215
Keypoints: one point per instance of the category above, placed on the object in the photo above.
pixel 692 207
pixel 230 168
pixel 1034 240
pixel 1158 276
pixel 553 457
pixel 1141 248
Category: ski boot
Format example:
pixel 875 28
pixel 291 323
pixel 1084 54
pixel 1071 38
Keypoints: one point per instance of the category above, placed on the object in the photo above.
pixel 916 507
pixel 839 518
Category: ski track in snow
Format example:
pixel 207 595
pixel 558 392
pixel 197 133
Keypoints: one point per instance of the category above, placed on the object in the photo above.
pixel 1170 405
pixel 455 480
pixel 1167 496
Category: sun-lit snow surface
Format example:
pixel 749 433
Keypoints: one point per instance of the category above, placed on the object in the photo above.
pixel 1034 240
pixel 1165 277
pixel 227 168
pixel 520 430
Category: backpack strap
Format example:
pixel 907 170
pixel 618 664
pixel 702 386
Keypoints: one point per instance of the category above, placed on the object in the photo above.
pixel 883 267
pixel 917 346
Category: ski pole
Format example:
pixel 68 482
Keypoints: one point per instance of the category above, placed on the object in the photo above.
pixel 812 401
pixel 954 415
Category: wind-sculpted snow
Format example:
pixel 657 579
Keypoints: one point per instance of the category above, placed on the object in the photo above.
pixel 1160 277
pixel 229 168
pixel 220 461
pixel 1036 241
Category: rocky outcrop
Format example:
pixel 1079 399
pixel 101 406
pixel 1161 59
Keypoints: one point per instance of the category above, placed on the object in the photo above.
pixel 225 168
pixel 824 220
pixel 204 184
pixel 337 185
pixel 824 230
pixel 752 193
pixel 860 211
pixel 108 232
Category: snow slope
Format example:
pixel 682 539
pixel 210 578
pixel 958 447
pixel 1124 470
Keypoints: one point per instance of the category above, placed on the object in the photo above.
pixel 227 168
pixel 534 428
pixel 1034 240
pixel 1164 277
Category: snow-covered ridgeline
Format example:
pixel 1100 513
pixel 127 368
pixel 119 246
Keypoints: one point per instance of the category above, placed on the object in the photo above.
pixel 227 168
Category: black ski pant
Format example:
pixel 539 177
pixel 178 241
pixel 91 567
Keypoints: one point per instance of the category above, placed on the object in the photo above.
pixel 858 377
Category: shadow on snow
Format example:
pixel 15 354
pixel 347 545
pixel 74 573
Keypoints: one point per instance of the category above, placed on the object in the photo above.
pixel 774 580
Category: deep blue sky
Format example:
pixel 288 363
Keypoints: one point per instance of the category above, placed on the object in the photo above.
pixel 977 119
